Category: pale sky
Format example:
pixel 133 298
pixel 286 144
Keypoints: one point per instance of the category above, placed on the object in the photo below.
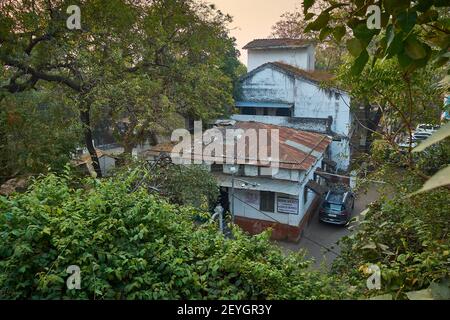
pixel 253 19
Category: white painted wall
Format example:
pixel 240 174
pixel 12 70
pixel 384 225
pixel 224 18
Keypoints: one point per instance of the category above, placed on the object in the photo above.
pixel 268 85
pixel 252 211
pixel 310 101
pixel 302 58
pixel 313 102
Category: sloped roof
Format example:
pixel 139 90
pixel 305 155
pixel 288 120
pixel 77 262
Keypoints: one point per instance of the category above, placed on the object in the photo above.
pixel 298 150
pixel 293 145
pixel 278 43
pixel 86 158
pixel 316 75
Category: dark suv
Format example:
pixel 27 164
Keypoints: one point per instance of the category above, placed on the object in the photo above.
pixel 337 207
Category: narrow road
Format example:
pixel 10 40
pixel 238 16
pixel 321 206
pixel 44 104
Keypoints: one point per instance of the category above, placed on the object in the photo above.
pixel 318 235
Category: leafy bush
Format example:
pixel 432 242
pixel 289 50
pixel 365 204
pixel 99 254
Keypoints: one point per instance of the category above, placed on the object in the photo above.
pixel 407 237
pixel 38 129
pixel 190 185
pixel 133 245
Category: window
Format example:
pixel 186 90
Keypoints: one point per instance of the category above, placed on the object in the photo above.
pixel 267 201
pixel 283 112
pixel 305 195
pixel 248 111
pixel 215 167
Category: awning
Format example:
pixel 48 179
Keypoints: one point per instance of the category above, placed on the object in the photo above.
pixel 276 105
pixel 317 188
pixel 262 184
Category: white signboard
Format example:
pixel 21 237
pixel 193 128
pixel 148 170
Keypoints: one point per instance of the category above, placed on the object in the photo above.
pixel 287 205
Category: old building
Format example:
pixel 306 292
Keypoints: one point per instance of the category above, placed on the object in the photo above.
pixel 284 200
pixel 283 88
pixel 283 194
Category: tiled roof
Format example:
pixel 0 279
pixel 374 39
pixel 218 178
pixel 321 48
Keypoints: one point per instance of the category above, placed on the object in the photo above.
pixel 291 157
pixel 316 75
pixel 298 150
pixel 277 43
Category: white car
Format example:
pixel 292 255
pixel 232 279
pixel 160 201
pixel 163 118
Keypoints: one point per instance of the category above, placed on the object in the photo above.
pixel 428 128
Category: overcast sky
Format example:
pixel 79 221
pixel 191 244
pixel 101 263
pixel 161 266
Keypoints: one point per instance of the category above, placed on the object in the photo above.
pixel 253 19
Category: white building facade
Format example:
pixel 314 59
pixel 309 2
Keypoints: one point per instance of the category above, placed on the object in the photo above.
pixel 282 88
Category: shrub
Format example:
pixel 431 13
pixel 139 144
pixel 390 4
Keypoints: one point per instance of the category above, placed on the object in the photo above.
pixel 132 245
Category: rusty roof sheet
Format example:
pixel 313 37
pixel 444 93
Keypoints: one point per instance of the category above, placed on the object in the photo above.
pixel 291 156
pixel 278 43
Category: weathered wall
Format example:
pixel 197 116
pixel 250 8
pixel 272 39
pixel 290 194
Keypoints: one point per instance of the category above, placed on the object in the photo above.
pixel 268 85
pixel 305 124
pixel 251 211
pixel 311 101
pixel 300 57
pixel 312 108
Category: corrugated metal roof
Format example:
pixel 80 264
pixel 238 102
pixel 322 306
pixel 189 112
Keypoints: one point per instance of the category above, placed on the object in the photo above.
pixel 290 157
pixel 260 184
pixel 278 43
pixel 311 146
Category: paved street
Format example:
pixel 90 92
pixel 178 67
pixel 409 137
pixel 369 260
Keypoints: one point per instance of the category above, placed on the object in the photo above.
pixel 319 235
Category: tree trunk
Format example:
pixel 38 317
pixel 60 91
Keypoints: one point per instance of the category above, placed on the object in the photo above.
pixel 128 150
pixel 372 123
pixel 86 121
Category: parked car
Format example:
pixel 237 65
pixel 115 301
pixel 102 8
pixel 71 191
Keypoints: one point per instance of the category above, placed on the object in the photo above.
pixel 337 207
pixel 421 135
pixel 429 128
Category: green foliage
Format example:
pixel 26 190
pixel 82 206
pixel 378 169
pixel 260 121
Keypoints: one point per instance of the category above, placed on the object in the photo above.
pixel 189 185
pixel 144 62
pixel 416 33
pixel 407 237
pixel 38 130
pixel 132 245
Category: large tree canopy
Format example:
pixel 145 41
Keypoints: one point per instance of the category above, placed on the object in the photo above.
pixel 176 55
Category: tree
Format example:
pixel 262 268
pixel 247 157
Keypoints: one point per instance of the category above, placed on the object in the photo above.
pixel 392 104
pixel 415 32
pixel 39 129
pixel 329 52
pixel 405 236
pixel 179 45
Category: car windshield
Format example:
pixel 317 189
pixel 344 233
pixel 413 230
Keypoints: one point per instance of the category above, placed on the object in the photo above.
pixel 333 207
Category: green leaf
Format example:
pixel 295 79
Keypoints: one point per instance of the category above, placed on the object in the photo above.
pixel 307 4
pixel 440 291
pixel 355 47
pixel 324 33
pixel 415 49
pixel 360 63
pixel 339 33
pixel 320 22
pixel 407 20
pixel 393 6
pixel 436 137
pixel 440 179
